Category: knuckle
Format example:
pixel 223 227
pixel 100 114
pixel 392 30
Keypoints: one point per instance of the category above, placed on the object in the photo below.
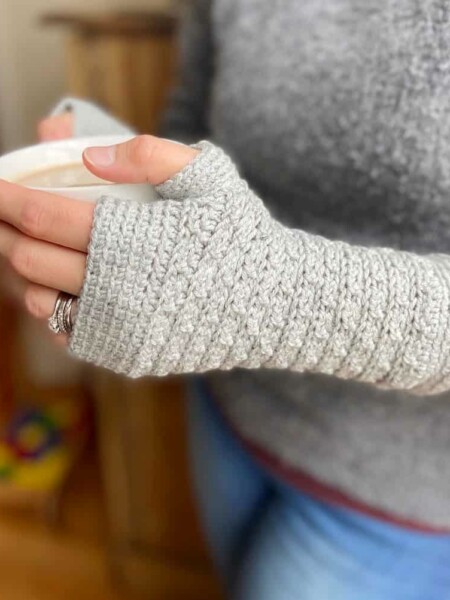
pixel 45 121
pixel 142 149
pixel 32 218
pixel 33 303
pixel 42 127
pixel 20 258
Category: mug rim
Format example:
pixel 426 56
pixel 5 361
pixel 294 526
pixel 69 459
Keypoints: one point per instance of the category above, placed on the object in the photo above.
pixel 83 142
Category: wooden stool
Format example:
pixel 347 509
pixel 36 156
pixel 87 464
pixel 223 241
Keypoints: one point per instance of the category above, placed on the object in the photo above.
pixel 123 61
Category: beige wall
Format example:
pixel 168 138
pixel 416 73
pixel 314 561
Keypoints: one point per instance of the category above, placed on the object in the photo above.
pixel 32 60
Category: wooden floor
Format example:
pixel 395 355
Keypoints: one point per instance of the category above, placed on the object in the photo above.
pixel 68 562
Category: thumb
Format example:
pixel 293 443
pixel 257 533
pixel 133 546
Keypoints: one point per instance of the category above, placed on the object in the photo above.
pixel 144 159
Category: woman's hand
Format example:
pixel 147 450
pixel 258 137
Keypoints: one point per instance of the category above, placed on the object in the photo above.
pixel 144 159
pixel 44 238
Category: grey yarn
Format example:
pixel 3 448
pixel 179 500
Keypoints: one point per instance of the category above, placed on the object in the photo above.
pixel 209 280
pixel 337 114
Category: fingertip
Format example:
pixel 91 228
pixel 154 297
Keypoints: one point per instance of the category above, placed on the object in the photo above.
pixel 86 161
pixel 100 157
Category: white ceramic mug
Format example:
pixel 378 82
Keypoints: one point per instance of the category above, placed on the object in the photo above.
pixel 20 163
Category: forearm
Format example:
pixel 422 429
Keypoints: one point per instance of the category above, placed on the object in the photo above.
pixel 374 315
pixel 213 282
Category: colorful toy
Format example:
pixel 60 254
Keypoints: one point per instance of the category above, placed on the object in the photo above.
pixel 40 445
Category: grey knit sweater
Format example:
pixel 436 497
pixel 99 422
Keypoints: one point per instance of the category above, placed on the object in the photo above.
pixel 337 114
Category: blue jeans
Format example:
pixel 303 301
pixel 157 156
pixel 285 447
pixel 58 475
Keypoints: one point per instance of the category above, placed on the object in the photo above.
pixel 272 542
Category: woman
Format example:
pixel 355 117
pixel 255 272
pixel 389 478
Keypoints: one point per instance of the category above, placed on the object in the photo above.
pixel 333 483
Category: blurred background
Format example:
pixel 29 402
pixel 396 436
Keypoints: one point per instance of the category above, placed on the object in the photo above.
pixel 95 500
pixel 32 58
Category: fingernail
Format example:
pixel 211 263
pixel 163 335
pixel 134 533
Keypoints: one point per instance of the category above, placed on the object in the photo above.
pixel 101 156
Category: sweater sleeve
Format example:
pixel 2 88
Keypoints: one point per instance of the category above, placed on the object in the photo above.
pixel 206 279
pixel 186 118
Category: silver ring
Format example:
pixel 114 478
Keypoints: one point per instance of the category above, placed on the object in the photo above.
pixel 61 320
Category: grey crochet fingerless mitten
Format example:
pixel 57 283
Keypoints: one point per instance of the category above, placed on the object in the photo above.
pixel 207 279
